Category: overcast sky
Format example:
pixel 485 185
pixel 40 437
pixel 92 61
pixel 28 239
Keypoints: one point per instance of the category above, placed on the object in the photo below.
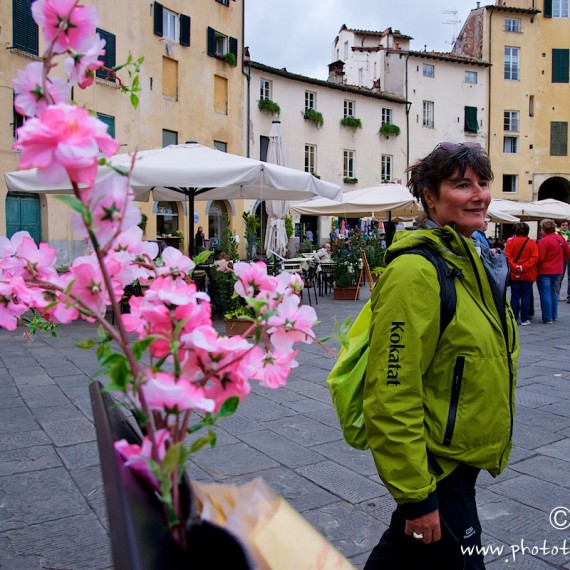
pixel 298 34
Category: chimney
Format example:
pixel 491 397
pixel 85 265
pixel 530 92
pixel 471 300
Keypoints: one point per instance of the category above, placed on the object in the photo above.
pixel 336 72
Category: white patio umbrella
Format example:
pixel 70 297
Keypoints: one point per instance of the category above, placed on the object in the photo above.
pixel 393 199
pixel 199 173
pixel 276 235
pixel 534 211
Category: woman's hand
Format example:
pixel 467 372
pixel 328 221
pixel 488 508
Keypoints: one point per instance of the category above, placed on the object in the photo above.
pixel 425 528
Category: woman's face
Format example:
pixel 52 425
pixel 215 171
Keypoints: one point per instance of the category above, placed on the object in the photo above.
pixel 462 201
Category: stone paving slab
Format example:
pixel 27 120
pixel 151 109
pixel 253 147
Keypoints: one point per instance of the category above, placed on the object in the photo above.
pixel 52 509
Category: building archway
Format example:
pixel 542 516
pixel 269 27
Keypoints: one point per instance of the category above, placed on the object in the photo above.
pixel 218 218
pixel 555 187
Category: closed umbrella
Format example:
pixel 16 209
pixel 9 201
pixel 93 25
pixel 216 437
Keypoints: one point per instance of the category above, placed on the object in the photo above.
pixel 276 234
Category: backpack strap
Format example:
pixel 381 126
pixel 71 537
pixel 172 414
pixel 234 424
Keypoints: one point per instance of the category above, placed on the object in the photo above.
pixel 445 276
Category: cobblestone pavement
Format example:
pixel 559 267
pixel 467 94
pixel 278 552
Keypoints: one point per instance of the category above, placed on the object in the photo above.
pixel 52 511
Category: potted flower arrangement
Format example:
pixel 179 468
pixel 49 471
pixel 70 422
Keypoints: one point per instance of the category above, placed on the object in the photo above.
pixel 347 257
pixel 164 360
pixel 389 130
pixel 315 116
pixel 269 106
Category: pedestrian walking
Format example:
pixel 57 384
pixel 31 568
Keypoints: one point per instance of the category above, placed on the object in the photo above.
pixel 553 251
pixel 438 409
pixel 522 255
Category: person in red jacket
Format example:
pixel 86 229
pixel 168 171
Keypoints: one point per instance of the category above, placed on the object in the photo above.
pixel 553 251
pixel 522 255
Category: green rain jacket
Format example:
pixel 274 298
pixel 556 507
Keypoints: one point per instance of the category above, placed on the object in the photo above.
pixel 432 403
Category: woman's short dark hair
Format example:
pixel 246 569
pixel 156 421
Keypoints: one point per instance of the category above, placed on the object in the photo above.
pixel 521 229
pixel 445 161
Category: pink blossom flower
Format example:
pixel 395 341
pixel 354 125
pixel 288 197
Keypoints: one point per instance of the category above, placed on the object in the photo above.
pixel 163 393
pixel 276 368
pixel 31 100
pixel 15 299
pixel 137 457
pixel 65 141
pixel 252 278
pixel 26 258
pixel 112 208
pixel 81 66
pixel 69 25
pixel 291 324
pixel 174 261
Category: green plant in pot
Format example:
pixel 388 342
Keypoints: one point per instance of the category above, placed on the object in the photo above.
pixel 314 116
pixel 268 106
pixel 347 257
pixel 230 59
pixel 251 228
pixel 389 130
pixel 351 122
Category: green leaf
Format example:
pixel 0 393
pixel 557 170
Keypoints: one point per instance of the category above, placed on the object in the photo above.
pixel 172 458
pixel 202 257
pixel 87 344
pixel 139 347
pixel 201 442
pixel 134 100
pixel 75 204
pixel 228 407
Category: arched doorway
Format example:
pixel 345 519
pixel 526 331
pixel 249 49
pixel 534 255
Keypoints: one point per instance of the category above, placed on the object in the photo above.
pixel 23 213
pixel 261 214
pixel 555 187
pixel 218 217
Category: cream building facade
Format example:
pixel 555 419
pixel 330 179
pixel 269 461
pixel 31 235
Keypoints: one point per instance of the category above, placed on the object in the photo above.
pixel 528 98
pixel 445 92
pixel 354 157
pixel 190 90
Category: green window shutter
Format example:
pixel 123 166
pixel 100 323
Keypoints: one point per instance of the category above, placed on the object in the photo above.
pixel 547 8
pixel 25 30
pixel 560 65
pixel 109 121
pixel 211 42
pixel 184 30
pixel 559 138
pixel 158 19
pixel 471 123
pixel 234 46
pixel 109 59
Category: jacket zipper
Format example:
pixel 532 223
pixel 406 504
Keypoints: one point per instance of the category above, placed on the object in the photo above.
pixel 505 337
pixel 454 400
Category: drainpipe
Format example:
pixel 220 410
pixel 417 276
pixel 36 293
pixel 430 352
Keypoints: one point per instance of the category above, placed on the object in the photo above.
pixel 489 98
pixel 408 107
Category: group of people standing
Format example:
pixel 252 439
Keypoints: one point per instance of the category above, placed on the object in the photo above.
pixel 545 263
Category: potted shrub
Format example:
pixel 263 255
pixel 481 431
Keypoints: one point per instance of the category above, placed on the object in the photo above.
pixel 389 130
pixel 347 257
pixel 314 116
pixel 251 226
pixel 351 122
pixel 230 59
pixel 268 106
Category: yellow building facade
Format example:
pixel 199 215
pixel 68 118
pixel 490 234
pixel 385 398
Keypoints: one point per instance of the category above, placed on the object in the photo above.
pixel 527 43
pixel 191 90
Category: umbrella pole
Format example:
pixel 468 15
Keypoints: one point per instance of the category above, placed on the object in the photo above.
pixel 190 224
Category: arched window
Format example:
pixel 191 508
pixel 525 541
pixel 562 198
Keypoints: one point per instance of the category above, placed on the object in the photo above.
pixel 217 220
pixel 166 218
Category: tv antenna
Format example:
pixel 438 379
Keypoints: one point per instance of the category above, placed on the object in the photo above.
pixel 453 21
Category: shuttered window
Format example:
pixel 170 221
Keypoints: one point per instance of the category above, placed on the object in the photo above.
pixel 110 57
pixel 109 121
pixel 560 65
pixel 471 124
pixel 219 44
pixel 183 24
pixel 559 138
pixel 25 30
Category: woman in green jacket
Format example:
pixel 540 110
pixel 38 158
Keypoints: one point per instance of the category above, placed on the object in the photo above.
pixel 439 408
